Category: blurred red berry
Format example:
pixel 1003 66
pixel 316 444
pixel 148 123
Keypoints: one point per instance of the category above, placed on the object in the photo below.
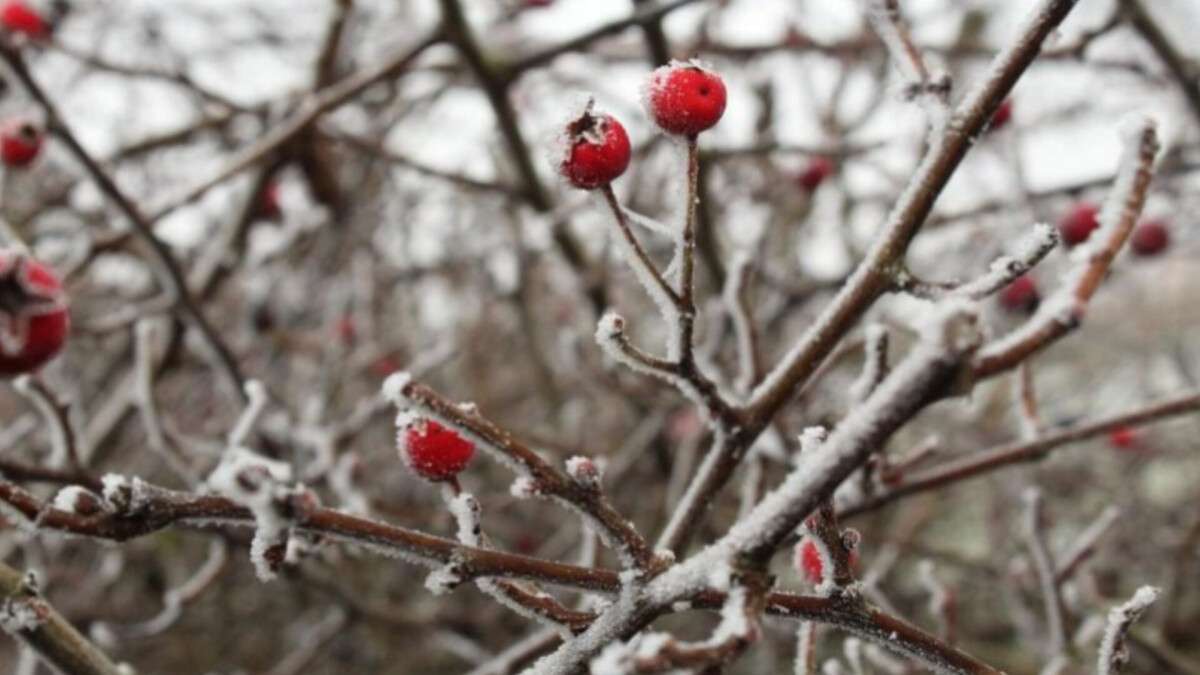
pixel 685 99
pixel 33 313
pixel 818 170
pixel 808 561
pixel 1003 114
pixel 18 17
pixel 1020 295
pixel 1123 438
pixel 532 4
pixel 434 452
pixel 20 143
pixel 268 202
pixel 597 150
pixel 345 329
pixel 1150 238
pixel 384 366
pixel 1079 223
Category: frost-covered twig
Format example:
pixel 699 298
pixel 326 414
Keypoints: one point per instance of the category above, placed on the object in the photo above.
pixel 889 24
pixel 1084 546
pixel 27 617
pixel 875 363
pixel 1027 404
pixel 1044 566
pixel 1029 251
pixel 943 604
pixel 737 305
pixel 1114 651
pixel 980 463
pixel 539 476
pixel 57 416
pixel 806 649
pixel 1063 310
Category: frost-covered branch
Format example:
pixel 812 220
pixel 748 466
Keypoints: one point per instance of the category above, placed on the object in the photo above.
pixel 1029 251
pixel 57 417
pixel 1085 545
pixel 1114 650
pixel 1044 566
pixel 27 617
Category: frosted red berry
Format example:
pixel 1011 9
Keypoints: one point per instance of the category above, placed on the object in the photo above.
pixel 685 99
pixel 1150 238
pixel 819 169
pixel 1020 295
pixel 808 561
pixel 597 150
pixel 18 17
pixel 20 143
pixel 1123 438
pixel 1003 114
pixel 33 313
pixel 435 452
pixel 1078 224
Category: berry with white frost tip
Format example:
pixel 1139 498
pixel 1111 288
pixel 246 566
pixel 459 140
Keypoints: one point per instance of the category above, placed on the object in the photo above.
pixel 685 98
pixel 596 150
pixel 435 452
pixel 33 313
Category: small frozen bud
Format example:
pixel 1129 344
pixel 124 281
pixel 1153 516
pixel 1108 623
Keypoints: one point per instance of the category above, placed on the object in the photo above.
pixel 584 471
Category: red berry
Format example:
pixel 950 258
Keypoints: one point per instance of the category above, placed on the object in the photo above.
pixel 1077 225
pixel 20 142
pixel 818 169
pixel 33 313
pixel 597 150
pixel 1003 114
pixel 346 331
pixel 808 561
pixel 384 366
pixel 268 202
pixel 18 17
pixel 1123 438
pixel 1150 238
pixel 685 99
pixel 435 452
pixel 538 3
pixel 1020 295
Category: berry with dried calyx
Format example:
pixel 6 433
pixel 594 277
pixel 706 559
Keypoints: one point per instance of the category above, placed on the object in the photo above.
pixel 819 169
pixel 685 98
pixel 596 150
pixel 33 313
pixel 1020 295
pixel 1078 224
pixel 433 451
pixel 20 143
pixel 1150 238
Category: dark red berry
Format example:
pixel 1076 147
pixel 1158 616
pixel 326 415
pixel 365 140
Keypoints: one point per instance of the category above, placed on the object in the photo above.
pixel 685 99
pixel 18 17
pixel 597 150
pixel 531 4
pixel 1020 295
pixel 1003 114
pixel 384 365
pixel 1123 438
pixel 1150 238
pixel 33 313
pixel 268 202
pixel 1078 223
pixel 20 143
pixel 817 171
pixel 435 452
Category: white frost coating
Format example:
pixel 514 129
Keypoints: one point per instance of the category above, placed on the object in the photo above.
pixel 659 77
pixel 806 638
pixel 524 487
pixel 68 498
pixel 584 471
pixel 875 339
pixel 1029 251
pixel 442 580
pixel 257 395
pixel 1113 651
pixel 610 331
pixel 341 481
pixel 256 483
pixel 393 386
pixel 649 223
pixel 20 615
pixel 742 328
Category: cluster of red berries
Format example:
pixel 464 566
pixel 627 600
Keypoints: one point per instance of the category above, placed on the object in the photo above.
pixel 434 452
pixel 33 313
pixel 684 99
pixel 19 18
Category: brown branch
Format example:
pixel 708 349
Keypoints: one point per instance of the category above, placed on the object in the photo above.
pixel 1186 74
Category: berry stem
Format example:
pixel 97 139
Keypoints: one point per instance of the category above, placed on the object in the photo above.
pixel 642 259
pixel 687 282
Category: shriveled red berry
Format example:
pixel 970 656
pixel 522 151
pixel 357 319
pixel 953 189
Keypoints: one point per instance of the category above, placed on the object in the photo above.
pixel 1021 295
pixel 1123 438
pixel 33 313
pixel 684 98
pixel 1150 238
pixel 597 150
pixel 20 143
pixel 1079 223
pixel 1003 115
pixel 435 452
pixel 18 17
pixel 818 170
